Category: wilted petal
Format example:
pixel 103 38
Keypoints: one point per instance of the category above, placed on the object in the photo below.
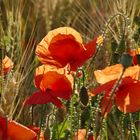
pixel 42 98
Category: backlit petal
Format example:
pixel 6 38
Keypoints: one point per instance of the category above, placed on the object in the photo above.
pixel 17 131
pixel 63 46
pixel 42 98
pixel 127 97
pixel 57 83
pixel 113 72
pixel 105 87
pixel 106 104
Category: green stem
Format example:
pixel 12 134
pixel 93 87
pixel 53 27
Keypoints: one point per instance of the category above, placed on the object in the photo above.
pixel 83 75
pixel 32 113
pixel 113 91
pixel 111 96
pixel 42 118
pixel 105 30
pixel 59 134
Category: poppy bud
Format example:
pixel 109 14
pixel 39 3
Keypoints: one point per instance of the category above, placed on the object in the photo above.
pixel 121 46
pixel 84 96
pixel 126 60
pixel 115 58
pixel 114 46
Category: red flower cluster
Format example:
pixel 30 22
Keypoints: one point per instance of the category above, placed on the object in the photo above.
pixel 60 48
pixel 53 83
pixel 64 46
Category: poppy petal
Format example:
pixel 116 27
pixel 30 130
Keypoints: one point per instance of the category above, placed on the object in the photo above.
pixel 127 97
pixel 40 71
pixel 64 31
pixel 113 72
pixel 65 49
pixel 63 46
pixel 3 128
pixel 108 74
pixel 91 48
pixel 50 78
pixel 44 55
pixel 105 87
pixel 58 45
pixel 44 69
pixel 106 105
pixel 58 83
pixel 17 131
pixel 42 98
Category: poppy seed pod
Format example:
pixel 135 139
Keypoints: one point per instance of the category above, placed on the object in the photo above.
pixel 115 58
pixel 84 96
pixel 121 46
pixel 126 60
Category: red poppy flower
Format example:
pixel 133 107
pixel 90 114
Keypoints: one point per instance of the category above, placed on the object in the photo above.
pixel 53 84
pixel 12 130
pixel 64 46
pixel 57 81
pixel 126 96
pixel 113 72
pixel 7 65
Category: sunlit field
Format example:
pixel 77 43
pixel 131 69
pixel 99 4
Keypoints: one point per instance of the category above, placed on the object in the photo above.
pixel 69 69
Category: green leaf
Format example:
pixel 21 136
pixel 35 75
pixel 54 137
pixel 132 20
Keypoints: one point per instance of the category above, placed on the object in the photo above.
pixel 59 130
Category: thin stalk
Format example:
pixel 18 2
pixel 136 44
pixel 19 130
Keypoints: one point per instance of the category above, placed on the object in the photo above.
pixel 83 75
pixel 105 32
pixel 111 96
pixel 42 118
pixel 62 128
